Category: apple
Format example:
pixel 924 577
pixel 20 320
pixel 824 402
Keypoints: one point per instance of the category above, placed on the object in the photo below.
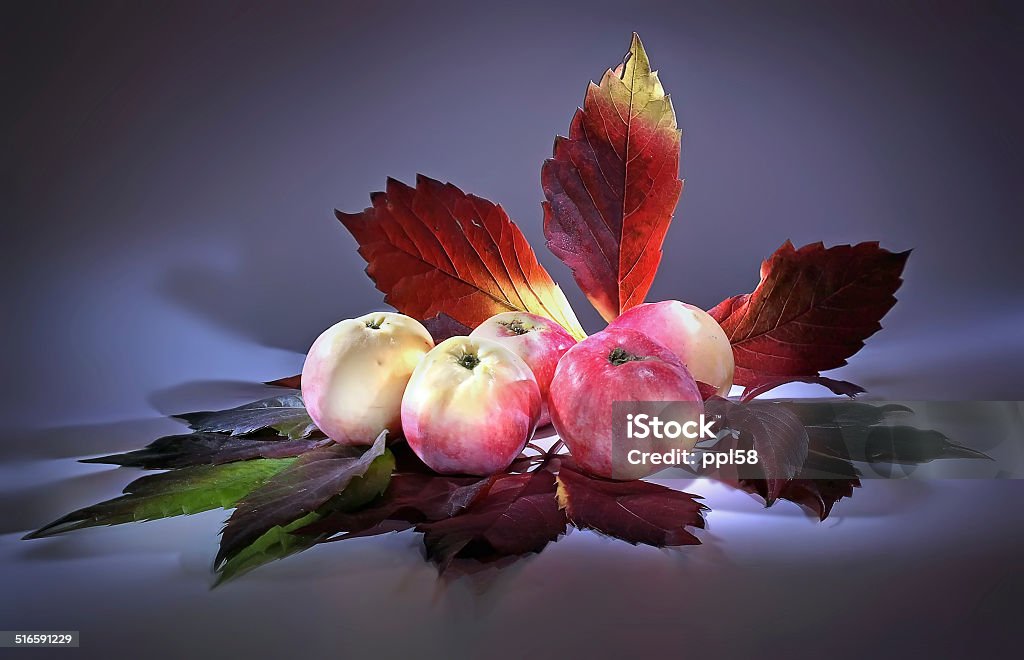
pixel 538 340
pixel 470 407
pixel 355 375
pixel 619 365
pixel 689 332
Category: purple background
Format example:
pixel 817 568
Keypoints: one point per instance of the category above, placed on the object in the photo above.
pixel 169 172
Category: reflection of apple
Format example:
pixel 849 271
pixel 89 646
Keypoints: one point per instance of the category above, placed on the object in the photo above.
pixel 538 340
pixel 470 407
pixel 355 374
pixel 617 364
pixel 689 332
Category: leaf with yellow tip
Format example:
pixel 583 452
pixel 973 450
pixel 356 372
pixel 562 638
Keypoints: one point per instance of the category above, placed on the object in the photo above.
pixel 612 185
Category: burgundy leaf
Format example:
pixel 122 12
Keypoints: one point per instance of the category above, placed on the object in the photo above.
pixel 441 327
pixel 291 382
pixel 841 387
pixel 813 309
pixel 410 499
pixel 773 430
pixel 518 515
pixel 823 481
pixel 634 511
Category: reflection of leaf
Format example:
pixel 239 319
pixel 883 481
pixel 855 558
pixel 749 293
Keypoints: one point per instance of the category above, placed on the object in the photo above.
pixel 813 308
pixel 285 413
pixel 517 515
pixel 778 436
pixel 178 451
pixel 634 511
pixel 304 487
pixel 180 492
pixel 613 184
pixel 283 541
pixel 907 445
pixel 434 249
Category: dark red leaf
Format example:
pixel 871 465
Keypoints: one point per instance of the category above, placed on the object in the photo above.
pixel 634 511
pixel 773 430
pixel 706 391
pixel 613 184
pixel 841 387
pixel 291 382
pixel 434 250
pixel 823 481
pixel 518 515
pixel 441 327
pixel 410 498
pixel 813 308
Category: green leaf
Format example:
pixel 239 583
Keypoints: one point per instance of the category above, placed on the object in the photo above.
pixel 285 413
pixel 179 492
pixel 315 478
pixel 281 541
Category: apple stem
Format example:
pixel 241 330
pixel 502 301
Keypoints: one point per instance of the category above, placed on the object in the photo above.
pixel 620 356
pixel 469 361
pixel 516 327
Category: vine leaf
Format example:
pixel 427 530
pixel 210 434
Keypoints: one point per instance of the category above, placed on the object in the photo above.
pixel 612 185
pixel 633 511
pixel 433 249
pixel 178 451
pixel 518 514
pixel 315 478
pixel 410 499
pixel 285 413
pixel 813 309
pixel 179 492
pixel 774 431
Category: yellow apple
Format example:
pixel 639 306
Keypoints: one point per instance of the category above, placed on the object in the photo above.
pixel 356 372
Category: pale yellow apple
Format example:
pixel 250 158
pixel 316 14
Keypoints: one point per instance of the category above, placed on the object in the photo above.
pixel 356 372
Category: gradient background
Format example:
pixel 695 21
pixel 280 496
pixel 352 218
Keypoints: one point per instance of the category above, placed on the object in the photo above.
pixel 169 171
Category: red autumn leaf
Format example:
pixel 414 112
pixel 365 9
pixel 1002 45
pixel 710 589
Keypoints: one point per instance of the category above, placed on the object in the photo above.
pixel 518 515
pixel 634 511
pixel 813 308
pixel 613 184
pixel 433 249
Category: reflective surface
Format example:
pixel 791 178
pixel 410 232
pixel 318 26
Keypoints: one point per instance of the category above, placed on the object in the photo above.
pixel 169 175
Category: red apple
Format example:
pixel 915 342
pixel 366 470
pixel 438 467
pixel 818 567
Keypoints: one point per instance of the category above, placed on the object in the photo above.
pixel 689 332
pixel 538 340
pixel 617 365
pixel 355 374
pixel 470 407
